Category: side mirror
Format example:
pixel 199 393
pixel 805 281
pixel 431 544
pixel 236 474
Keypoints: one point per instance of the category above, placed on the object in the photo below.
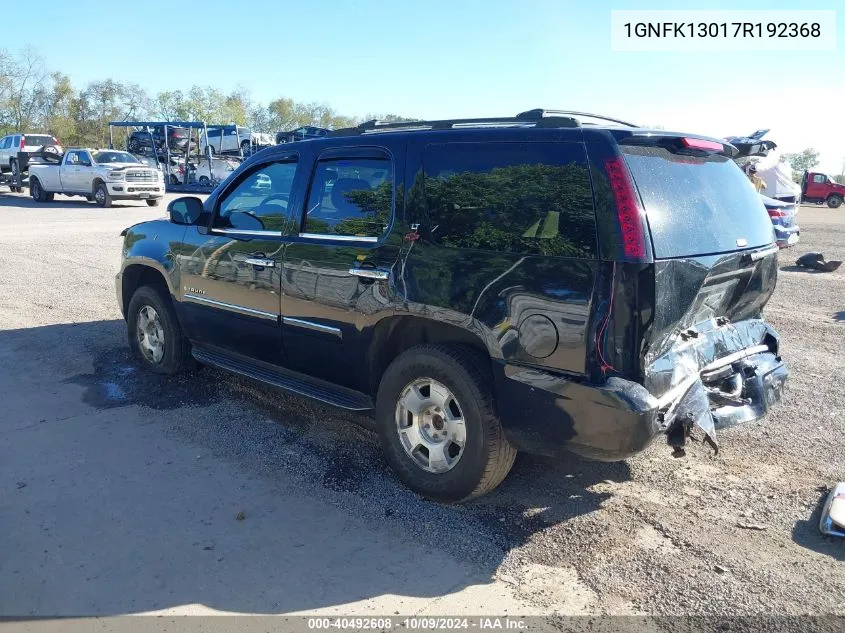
pixel 185 210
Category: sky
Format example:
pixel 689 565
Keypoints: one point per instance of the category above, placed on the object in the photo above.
pixel 440 59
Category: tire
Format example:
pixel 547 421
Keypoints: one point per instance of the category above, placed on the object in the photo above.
pixel 245 148
pixel 153 202
pixel 834 202
pixel 37 191
pixel 176 351
pixel 204 181
pixel 49 197
pixel 101 195
pixel 174 180
pixel 16 174
pixel 486 456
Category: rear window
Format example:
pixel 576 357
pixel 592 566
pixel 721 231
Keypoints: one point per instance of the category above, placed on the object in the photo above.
pixel 697 205
pixel 33 140
pixel 529 198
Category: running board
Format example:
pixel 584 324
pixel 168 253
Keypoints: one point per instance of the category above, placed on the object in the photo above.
pixel 285 379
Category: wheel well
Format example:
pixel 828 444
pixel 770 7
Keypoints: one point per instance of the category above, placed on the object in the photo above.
pixel 136 276
pixel 394 335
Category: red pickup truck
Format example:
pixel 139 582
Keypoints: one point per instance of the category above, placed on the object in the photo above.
pixel 821 188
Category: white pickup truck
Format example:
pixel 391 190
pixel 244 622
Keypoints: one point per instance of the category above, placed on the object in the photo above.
pixel 98 175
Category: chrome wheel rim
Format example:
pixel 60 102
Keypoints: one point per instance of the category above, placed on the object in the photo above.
pixel 150 334
pixel 430 425
pixel 100 195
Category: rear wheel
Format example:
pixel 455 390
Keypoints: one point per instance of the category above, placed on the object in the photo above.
pixel 436 418
pixel 245 148
pixel 37 191
pixel 204 181
pixel 834 202
pixel 154 334
pixel 101 195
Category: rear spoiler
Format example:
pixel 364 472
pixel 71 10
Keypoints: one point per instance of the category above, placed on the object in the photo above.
pixel 688 144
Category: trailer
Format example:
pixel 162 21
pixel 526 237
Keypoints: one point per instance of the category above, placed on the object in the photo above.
pixel 18 178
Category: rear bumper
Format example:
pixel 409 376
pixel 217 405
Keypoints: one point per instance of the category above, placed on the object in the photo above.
pixel 786 237
pixel 547 414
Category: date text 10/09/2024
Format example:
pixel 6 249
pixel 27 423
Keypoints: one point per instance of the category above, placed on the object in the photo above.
pixel 722 29
pixel 419 623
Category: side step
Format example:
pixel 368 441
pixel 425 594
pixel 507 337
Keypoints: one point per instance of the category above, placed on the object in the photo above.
pixel 286 379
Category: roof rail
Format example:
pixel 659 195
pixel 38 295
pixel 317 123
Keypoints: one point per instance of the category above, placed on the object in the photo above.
pixel 540 113
pixel 375 126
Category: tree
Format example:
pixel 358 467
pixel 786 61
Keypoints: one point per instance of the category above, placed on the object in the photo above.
pixel 801 162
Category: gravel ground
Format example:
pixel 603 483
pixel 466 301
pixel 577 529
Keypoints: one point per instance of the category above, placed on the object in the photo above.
pixel 732 535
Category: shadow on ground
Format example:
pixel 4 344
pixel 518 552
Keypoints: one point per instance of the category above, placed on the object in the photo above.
pixel 24 201
pixel 807 534
pixel 123 496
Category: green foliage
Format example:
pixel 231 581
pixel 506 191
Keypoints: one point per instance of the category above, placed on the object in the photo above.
pixel 32 99
pixel 801 162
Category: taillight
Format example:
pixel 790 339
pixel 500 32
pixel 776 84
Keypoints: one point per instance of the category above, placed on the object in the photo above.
pixel 776 213
pixel 698 143
pixel 23 141
pixel 627 209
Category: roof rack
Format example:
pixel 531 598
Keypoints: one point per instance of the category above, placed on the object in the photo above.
pixel 375 126
pixel 530 118
pixel 539 113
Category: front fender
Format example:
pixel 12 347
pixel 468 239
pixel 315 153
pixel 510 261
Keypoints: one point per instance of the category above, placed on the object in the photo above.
pixel 150 246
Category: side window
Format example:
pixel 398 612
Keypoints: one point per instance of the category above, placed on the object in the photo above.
pixel 259 202
pixel 530 198
pixel 84 159
pixel 16 141
pixel 6 142
pixel 818 178
pixel 72 158
pixel 350 197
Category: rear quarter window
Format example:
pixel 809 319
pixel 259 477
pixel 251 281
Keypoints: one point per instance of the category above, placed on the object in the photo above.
pixel 528 198
pixel 697 205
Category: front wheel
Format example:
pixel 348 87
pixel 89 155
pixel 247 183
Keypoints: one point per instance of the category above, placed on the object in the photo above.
pixel 155 337
pixel 436 419
pixel 101 195
pixel 834 202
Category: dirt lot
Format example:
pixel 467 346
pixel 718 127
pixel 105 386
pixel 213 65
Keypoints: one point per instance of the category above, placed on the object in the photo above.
pixel 119 490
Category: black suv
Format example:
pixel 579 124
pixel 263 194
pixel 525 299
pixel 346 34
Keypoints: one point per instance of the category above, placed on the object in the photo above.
pixel 301 133
pixel 481 286
pixel 178 139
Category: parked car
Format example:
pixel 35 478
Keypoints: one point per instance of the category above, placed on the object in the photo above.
pixel 783 216
pixel 223 139
pixel 29 143
pixel 514 298
pixel 220 170
pixel 782 197
pixel 822 189
pixel 142 140
pixel 301 133
pixel 99 175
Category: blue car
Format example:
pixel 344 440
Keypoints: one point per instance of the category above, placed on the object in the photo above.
pixel 783 216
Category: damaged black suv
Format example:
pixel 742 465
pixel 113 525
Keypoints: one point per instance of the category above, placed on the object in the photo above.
pixel 546 282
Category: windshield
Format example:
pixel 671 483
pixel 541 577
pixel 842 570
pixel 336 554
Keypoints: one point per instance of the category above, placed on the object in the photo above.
pixel 114 157
pixel 697 205
pixel 38 140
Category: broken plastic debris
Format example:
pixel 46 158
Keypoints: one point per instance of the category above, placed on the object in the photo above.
pixel 832 522
pixel 694 409
pixel 816 260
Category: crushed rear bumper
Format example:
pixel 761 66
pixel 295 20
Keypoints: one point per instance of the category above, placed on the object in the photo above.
pixel 549 414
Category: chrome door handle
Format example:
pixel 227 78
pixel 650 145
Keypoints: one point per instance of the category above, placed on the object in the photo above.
pixel 370 273
pixel 260 261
